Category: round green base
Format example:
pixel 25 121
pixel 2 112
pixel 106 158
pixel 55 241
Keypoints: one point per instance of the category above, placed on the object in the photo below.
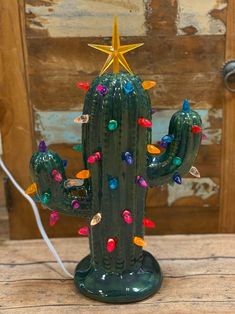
pixel 118 288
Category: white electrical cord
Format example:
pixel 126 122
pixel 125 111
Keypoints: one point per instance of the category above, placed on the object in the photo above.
pixel 37 217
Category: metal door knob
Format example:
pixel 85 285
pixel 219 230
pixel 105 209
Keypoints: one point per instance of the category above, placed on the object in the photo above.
pixel 228 73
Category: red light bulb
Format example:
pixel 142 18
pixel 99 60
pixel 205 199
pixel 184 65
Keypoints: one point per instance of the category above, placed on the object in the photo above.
pixel 144 122
pixel 83 85
pixel 111 244
pixel 196 129
pixel 148 223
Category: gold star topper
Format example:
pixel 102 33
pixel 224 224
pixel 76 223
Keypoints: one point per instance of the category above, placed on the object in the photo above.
pixel 115 52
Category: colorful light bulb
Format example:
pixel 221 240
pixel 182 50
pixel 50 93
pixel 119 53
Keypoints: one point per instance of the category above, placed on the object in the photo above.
pixel 102 90
pixel 31 189
pixel 196 129
pixel 42 147
pixel 112 125
pixel 177 178
pixel 128 88
pixel 204 137
pixel 54 217
pixel 153 149
pixel 45 198
pixel 84 118
pixel 148 223
pixel 126 215
pixel 96 219
pixel 83 174
pixel 141 182
pixel 139 241
pixel 113 183
pixel 167 139
pixel 128 158
pixel 93 158
pixel 57 176
pixel 148 84
pixel 68 184
pixel 65 163
pixel 186 106
pixel 83 231
pixel 83 85
pixel 36 198
pixel 162 144
pixel 144 122
pixel 78 147
pixel 111 245
pixel 177 161
pixel 75 204
pixel 194 172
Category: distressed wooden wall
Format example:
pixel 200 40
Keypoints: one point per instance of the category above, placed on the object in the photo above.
pixel 184 47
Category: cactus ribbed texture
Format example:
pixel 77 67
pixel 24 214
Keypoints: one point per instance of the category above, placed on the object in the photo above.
pixel 116 103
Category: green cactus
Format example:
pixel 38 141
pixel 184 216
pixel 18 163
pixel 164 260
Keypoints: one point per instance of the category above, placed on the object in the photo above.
pixel 114 183
pixel 120 164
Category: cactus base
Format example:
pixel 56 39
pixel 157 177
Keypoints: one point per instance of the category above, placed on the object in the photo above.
pixel 118 288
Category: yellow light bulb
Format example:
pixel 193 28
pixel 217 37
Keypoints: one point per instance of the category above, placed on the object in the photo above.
pixel 153 149
pixel 148 84
pixel 83 174
pixel 139 241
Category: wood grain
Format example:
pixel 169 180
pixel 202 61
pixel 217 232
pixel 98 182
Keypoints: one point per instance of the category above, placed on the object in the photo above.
pixel 16 126
pixel 198 277
pixel 227 212
pixel 183 66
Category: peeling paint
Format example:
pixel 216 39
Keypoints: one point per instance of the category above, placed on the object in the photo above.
pixel 203 188
pixel 58 126
pixel 196 16
pixel 87 18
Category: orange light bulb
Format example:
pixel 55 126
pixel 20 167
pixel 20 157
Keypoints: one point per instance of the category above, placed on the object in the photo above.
pixel 83 174
pixel 148 84
pixel 139 241
pixel 153 149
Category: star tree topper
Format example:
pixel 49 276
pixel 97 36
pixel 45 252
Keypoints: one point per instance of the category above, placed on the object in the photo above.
pixel 115 52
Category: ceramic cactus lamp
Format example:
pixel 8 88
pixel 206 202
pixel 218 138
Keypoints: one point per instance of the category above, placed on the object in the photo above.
pixel 120 163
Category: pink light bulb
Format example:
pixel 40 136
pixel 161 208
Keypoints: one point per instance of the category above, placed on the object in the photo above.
pixel 83 231
pixel 126 215
pixel 54 217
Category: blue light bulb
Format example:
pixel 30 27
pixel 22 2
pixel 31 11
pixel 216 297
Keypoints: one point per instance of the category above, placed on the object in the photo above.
pixel 128 88
pixel 113 183
pixel 177 178
pixel 128 158
pixel 65 162
pixel 168 138
pixel 186 106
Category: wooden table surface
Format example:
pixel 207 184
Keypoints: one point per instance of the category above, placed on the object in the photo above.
pixel 199 277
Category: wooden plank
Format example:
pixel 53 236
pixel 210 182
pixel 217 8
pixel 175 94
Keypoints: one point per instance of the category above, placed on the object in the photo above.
pixel 16 128
pixel 62 94
pixel 84 18
pixel 198 277
pixel 227 212
pixel 172 54
pixel 187 307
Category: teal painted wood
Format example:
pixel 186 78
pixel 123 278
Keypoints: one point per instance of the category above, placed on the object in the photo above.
pixel 127 273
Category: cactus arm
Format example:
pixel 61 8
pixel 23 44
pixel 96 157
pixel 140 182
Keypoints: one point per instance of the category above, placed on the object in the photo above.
pixel 185 146
pixel 60 198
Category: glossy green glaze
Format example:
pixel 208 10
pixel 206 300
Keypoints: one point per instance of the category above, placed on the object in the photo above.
pixel 127 273
pixel 124 287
